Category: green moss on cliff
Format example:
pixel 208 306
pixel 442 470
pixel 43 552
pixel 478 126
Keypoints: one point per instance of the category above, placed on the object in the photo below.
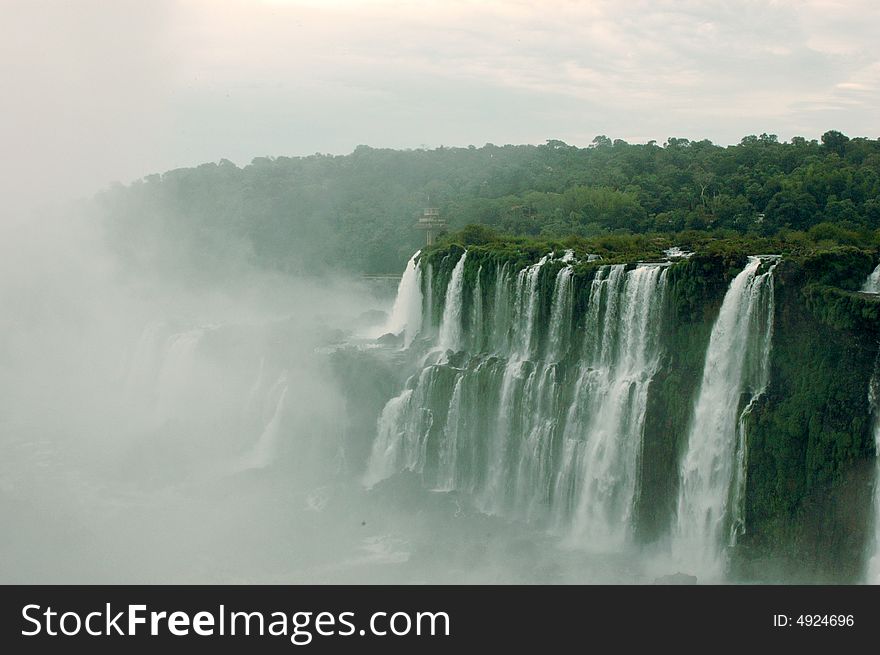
pixel 810 442
pixel 695 290
pixel 810 437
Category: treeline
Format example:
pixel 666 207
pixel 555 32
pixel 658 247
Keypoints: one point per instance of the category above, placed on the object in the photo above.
pixel 358 211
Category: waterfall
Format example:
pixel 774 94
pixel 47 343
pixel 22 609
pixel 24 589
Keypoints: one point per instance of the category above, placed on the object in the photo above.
pixel 597 482
pixel 406 314
pixel 449 448
pixel 874 562
pixel 428 320
pixel 549 422
pixel 712 470
pixel 873 569
pixel 501 308
pixel 143 364
pixel 175 374
pixel 539 412
pixel 872 284
pixel 266 447
pixel 450 326
pixel 560 314
pixel 525 306
pixel 390 439
pixel 254 392
pixel 515 388
pixel 477 314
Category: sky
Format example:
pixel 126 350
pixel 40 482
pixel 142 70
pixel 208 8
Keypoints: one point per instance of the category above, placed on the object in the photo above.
pixel 97 91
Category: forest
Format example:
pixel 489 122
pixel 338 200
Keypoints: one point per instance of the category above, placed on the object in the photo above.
pixel 357 212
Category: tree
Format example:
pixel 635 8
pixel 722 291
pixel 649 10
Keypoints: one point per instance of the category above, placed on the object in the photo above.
pixel 835 141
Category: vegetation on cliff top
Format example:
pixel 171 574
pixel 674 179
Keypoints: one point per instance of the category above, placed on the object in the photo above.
pixel 810 437
pixel 287 213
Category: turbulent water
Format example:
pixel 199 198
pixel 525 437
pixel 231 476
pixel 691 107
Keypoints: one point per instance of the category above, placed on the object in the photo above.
pixel 601 441
pixel 520 425
pixel 872 284
pixel 712 475
pixel 450 327
pixel 531 399
pixel 225 389
pixel 872 573
pixel 535 419
pixel 406 314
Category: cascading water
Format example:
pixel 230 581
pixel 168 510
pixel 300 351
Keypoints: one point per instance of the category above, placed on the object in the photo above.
pixel 513 385
pixel 428 321
pixel 872 574
pixel 389 453
pixel 264 451
pixel 560 315
pixel 598 476
pixel 176 372
pixel 533 401
pixel 406 314
pixel 477 314
pixel 144 362
pixel 712 471
pixel 525 306
pixel 549 421
pixel 501 310
pixel 184 381
pixel 450 326
pixel 446 473
pixel 159 372
pixel 872 284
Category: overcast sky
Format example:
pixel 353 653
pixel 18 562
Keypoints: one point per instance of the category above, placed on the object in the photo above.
pixel 101 90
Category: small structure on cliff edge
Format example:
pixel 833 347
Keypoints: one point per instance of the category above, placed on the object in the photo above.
pixel 431 223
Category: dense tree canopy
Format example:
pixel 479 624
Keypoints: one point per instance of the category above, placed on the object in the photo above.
pixel 359 210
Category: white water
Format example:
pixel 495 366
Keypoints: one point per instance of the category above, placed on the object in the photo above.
pixel 391 440
pixel 266 447
pixel 428 320
pixel 176 372
pixel 550 425
pixel 872 284
pixel 511 404
pixel 145 360
pixel 872 574
pixel 560 315
pixel 446 475
pixel 525 306
pixel 477 314
pixel 605 425
pixel 502 311
pixel 450 326
pixel 510 433
pixel 159 376
pixel 712 470
pixel 406 314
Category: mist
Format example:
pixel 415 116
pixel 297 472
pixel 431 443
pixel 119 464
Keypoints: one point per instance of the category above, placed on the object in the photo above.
pixel 157 428
pixel 198 366
pixel 153 432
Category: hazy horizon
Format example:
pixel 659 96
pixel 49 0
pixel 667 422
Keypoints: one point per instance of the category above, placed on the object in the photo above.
pixel 112 91
pixel 586 372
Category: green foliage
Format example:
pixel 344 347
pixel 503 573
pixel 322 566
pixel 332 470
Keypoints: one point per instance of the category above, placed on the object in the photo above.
pixel 477 235
pixel 811 433
pixel 845 267
pixel 284 213
pixel 844 310
pixel 810 436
